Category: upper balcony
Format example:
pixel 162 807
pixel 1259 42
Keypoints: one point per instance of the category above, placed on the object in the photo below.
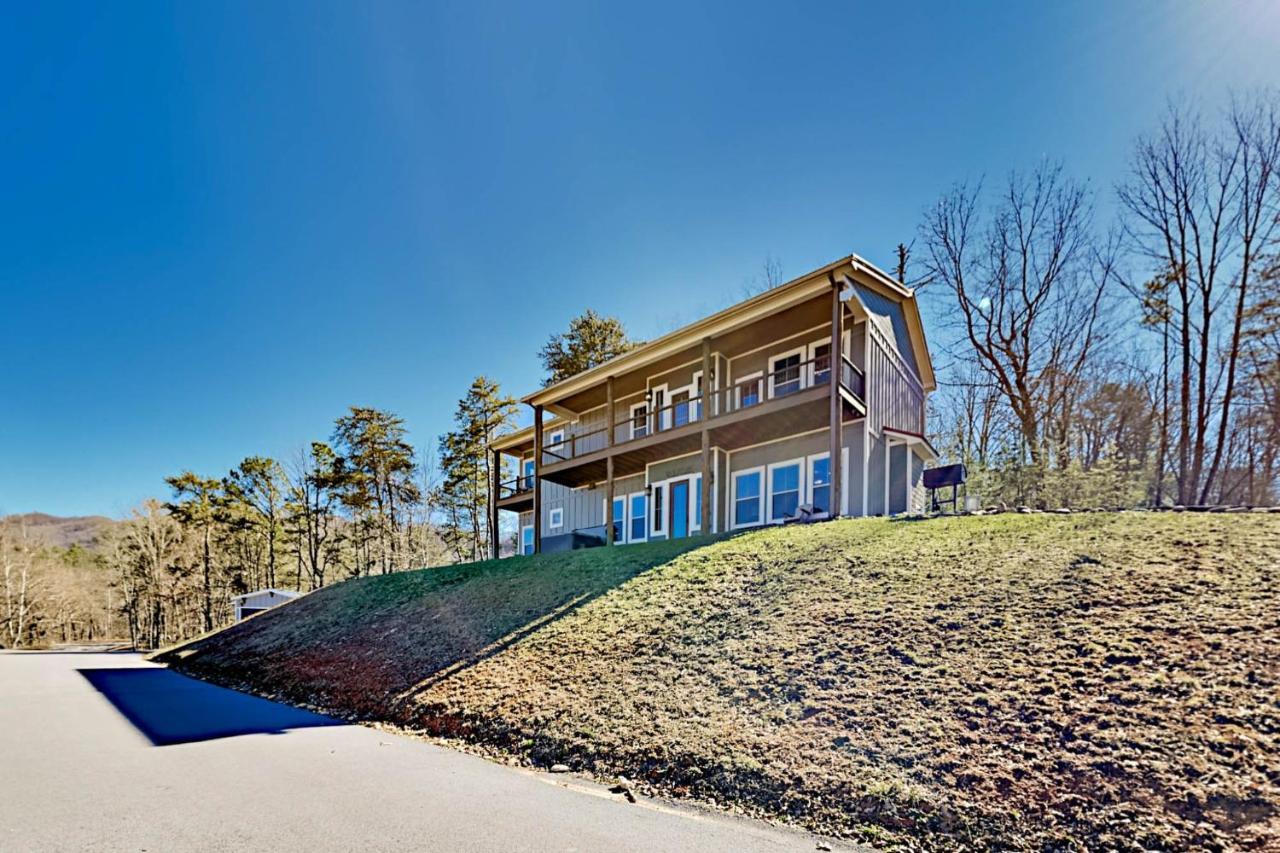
pixel 791 399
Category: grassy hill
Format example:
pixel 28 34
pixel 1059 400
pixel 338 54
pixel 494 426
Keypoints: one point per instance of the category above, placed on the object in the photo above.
pixel 1019 681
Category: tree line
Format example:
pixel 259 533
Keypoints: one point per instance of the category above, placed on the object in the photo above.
pixel 364 502
pixel 1132 363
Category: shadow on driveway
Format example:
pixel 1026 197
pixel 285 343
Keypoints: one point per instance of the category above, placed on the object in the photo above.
pixel 170 708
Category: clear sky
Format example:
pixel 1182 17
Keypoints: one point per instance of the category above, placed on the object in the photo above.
pixel 223 223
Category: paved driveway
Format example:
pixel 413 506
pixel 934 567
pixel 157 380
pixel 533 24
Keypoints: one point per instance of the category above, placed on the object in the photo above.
pixel 107 752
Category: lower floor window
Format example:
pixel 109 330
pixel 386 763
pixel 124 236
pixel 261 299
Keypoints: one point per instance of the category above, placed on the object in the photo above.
pixel 619 517
pixel 746 498
pixel 820 479
pixel 784 491
pixel 526 540
pixel 639 518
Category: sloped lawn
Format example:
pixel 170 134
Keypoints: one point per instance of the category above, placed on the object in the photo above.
pixel 1028 682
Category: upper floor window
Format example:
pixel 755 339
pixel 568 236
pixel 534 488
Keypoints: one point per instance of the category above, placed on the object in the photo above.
pixel 821 366
pixel 748 390
pixel 555 439
pixel 784 373
pixel 639 420
pixel 526 474
pixel 556 519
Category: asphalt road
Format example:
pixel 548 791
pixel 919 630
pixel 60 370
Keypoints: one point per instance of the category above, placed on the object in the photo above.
pixel 108 752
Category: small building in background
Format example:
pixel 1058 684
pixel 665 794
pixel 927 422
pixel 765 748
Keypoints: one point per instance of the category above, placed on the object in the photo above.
pixel 263 599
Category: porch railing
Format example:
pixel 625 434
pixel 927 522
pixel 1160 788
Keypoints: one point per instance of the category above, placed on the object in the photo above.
pixel 782 382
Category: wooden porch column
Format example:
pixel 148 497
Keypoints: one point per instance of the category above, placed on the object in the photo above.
pixel 705 405
pixel 493 504
pixel 836 489
pixel 537 479
pixel 608 501
pixel 608 404
pixel 705 520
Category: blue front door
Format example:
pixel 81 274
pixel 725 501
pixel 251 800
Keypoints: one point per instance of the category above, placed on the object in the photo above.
pixel 679 509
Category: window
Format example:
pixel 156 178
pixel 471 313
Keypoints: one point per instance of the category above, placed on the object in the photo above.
pixel 526 540
pixel 784 373
pixel 821 368
pixel 659 493
pixel 639 420
pixel 680 406
pixel 696 523
pixel 820 358
pixel 784 490
pixel 658 405
pixel 555 440
pixel 526 475
pixel 639 517
pixel 748 390
pixel 619 518
pixel 820 483
pixel 556 521
pixel 746 497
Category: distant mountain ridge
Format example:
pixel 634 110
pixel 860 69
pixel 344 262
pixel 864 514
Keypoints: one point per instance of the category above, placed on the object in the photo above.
pixel 59 531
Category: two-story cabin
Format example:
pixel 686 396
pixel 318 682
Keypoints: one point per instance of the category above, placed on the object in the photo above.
pixel 732 421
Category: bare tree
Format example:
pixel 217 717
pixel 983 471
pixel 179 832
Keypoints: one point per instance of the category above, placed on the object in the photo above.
pixel 1029 280
pixel 1203 206
pixel 15 562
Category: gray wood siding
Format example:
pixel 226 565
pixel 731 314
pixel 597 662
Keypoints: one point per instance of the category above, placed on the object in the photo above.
pixel 894 396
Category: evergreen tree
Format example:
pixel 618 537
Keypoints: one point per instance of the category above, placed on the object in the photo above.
pixel 255 497
pixel 378 483
pixel 591 340
pixel 196 504
pixel 466 463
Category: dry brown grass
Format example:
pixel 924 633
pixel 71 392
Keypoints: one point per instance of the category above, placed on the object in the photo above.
pixel 1022 682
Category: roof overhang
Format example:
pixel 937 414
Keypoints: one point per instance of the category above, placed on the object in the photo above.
pixel 912 439
pixel 775 299
pixel 783 296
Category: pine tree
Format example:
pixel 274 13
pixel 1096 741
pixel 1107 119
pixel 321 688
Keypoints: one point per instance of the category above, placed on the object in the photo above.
pixel 466 464
pixel 590 341
pixel 196 504
pixel 378 486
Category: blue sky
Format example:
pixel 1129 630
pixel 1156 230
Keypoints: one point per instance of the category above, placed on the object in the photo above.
pixel 223 223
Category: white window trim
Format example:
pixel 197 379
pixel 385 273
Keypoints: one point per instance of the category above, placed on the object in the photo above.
pixel 844 479
pixel 737 388
pixel 627 529
pixel 657 414
pixel 810 372
pixel 733 497
pixel 555 438
pixel 657 524
pixel 695 495
pixel 635 407
pixel 808 491
pixel 555 518
pixel 523 528
pixel 799 464
pixel 776 357
pixel 604 515
pixel 695 491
